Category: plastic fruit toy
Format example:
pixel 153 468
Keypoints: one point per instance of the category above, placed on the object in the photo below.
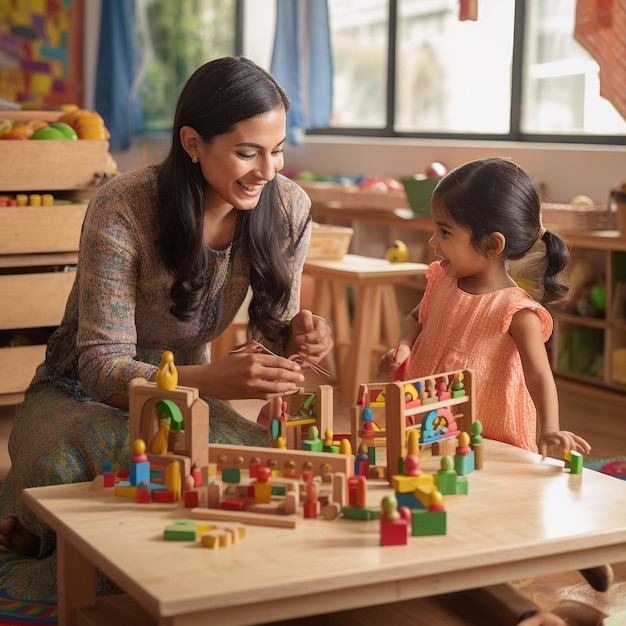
pixel 87 124
pixel 65 129
pixel 398 252
pixel 12 135
pixel 28 128
pixel 47 133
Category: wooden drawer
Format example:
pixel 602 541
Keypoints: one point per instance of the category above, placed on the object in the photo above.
pixel 34 229
pixel 50 165
pixel 42 165
pixel 17 367
pixel 34 300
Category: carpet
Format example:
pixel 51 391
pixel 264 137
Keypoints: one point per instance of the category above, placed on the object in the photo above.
pixel 612 467
pixel 16 608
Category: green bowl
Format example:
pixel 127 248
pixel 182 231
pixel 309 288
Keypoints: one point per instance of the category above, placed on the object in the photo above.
pixel 419 189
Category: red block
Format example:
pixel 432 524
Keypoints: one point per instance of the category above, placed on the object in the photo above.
pixel 162 495
pixel 395 533
pixel 192 499
pixel 143 496
pixel 233 504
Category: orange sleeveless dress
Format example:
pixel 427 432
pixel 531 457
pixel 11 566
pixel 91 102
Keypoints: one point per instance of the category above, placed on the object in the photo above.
pixel 466 331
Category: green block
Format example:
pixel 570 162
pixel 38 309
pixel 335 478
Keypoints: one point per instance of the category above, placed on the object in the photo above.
pixel 312 445
pixel 464 464
pixel 180 530
pixel 446 482
pixel 231 475
pixel 360 513
pixel 427 523
pixel 574 461
pixel 462 485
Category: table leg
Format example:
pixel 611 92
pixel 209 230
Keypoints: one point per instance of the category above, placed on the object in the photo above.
pixel 391 317
pixel 76 577
pixel 341 321
pixel 366 326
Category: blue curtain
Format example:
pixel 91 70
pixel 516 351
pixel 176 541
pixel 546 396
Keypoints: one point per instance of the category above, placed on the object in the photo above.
pixel 302 63
pixel 116 68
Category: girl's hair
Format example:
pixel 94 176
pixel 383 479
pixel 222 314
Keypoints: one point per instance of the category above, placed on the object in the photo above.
pixel 496 195
pixel 217 96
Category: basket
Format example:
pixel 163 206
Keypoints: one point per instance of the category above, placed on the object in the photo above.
pixel 419 190
pixel 570 218
pixel 329 242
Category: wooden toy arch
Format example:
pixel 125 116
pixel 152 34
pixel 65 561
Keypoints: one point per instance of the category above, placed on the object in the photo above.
pixel 188 446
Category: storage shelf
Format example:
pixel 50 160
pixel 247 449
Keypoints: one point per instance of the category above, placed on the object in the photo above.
pixel 36 229
pixel 38 242
pixel 580 320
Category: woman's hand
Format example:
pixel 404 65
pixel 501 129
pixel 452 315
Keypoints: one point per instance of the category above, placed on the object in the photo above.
pixel 250 373
pixel 563 439
pixel 311 338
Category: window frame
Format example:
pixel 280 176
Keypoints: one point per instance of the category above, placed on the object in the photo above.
pixel 515 134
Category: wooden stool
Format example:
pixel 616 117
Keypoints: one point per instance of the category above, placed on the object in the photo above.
pixel 376 320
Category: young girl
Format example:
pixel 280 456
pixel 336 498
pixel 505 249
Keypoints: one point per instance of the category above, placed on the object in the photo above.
pixel 473 315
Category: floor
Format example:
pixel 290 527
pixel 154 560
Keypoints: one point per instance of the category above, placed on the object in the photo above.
pixel 594 415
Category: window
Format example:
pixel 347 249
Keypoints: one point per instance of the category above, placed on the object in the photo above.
pixel 443 77
pixel 409 68
pixel 179 37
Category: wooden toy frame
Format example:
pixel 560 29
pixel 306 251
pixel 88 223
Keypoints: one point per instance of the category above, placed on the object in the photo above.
pixel 394 436
pixel 396 413
pixel 291 429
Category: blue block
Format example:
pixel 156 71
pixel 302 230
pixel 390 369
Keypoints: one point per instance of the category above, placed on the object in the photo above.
pixel 408 499
pixel 139 473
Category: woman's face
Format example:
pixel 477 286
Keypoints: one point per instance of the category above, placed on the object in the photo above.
pixel 238 164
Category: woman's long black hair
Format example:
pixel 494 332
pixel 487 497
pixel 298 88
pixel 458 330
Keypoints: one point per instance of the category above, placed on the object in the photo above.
pixel 496 195
pixel 217 96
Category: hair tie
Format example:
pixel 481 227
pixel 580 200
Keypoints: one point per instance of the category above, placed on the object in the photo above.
pixel 542 229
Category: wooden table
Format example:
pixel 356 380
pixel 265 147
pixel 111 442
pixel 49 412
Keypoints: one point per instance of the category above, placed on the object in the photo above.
pixel 522 517
pixel 375 324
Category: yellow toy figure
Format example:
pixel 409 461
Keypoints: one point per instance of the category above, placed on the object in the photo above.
pixel 159 442
pixel 167 376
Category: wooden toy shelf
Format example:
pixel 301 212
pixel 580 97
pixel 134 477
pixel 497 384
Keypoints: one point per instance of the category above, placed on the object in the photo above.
pixel 39 244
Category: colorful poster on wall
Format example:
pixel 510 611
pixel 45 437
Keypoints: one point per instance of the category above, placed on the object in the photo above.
pixel 40 44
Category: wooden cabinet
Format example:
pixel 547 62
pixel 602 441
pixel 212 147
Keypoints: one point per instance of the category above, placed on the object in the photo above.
pixel 589 341
pixel 39 244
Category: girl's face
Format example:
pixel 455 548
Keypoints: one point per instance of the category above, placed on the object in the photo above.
pixel 453 247
pixel 238 164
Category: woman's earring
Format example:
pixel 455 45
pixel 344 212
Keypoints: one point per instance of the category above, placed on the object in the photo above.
pixel 194 159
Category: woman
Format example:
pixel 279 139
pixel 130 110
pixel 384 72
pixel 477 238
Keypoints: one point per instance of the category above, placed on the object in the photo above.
pixel 167 256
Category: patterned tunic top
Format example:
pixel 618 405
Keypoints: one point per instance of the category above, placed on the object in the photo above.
pixel 467 331
pixel 122 292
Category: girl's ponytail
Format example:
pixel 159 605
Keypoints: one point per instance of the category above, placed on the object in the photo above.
pixel 557 257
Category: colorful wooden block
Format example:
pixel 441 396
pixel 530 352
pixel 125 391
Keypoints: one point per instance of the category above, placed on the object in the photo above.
pixel 464 463
pixel 394 533
pixel 427 523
